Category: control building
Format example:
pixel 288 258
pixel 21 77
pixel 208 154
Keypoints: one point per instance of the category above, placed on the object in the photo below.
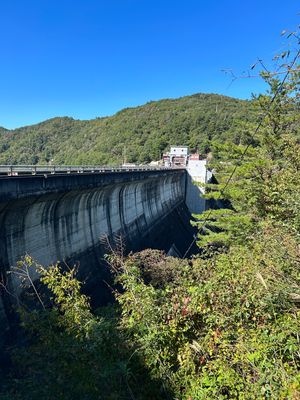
pixel 178 156
pixel 198 175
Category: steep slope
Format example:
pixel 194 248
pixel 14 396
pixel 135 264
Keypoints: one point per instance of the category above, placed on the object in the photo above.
pixel 140 134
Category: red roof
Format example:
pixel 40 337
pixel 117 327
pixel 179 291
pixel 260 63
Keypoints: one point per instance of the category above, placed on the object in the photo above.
pixel 195 156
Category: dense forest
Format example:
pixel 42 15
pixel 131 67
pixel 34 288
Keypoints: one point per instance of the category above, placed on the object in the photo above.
pixel 137 134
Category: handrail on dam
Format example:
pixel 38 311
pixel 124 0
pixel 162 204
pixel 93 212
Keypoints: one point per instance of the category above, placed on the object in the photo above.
pixel 23 170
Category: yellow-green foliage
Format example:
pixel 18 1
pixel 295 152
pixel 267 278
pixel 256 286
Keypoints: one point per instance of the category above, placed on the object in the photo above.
pixel 70 352
pixel 226 327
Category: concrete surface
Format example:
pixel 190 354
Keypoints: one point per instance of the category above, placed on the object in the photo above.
pixel 64 217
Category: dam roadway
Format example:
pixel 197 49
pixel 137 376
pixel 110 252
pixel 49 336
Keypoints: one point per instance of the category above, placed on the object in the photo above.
pixel 64 213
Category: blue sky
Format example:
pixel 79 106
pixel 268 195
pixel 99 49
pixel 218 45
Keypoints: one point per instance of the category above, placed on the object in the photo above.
pixel 92 58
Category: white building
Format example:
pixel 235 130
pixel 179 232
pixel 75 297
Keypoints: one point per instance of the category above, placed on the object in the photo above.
pixel 179 151
pixel 197 175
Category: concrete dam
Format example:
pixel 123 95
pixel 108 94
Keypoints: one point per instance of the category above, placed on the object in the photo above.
pixel 62 217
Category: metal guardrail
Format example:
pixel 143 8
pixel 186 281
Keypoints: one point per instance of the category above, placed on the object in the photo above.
pixel 24 170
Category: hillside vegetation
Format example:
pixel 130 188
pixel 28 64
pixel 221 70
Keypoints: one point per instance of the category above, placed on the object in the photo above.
pixel 223 325
pixel 140 134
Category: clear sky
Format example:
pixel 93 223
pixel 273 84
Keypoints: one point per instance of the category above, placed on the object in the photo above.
pixel 89 58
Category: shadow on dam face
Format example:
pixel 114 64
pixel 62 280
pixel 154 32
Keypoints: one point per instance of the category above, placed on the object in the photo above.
pixel 172 234
pixel 63 218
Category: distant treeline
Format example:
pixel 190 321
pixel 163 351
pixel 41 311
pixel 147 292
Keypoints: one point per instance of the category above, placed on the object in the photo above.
pixel 137 134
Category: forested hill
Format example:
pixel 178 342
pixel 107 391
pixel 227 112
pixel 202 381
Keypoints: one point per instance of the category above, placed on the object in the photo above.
pixel 141 133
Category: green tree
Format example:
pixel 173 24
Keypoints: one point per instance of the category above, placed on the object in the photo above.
pixel 258 180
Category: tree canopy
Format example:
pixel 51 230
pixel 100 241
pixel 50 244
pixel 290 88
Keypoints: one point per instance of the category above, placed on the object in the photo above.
pixel 140 134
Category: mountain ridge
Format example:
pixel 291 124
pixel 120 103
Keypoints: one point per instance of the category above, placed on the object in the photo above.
pixel 137 134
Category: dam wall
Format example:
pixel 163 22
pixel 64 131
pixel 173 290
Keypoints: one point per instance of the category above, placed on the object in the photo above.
pixel 70 218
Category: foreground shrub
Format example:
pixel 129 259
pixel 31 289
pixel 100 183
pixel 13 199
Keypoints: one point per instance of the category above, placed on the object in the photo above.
pixel 226 327
pixel 70 352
